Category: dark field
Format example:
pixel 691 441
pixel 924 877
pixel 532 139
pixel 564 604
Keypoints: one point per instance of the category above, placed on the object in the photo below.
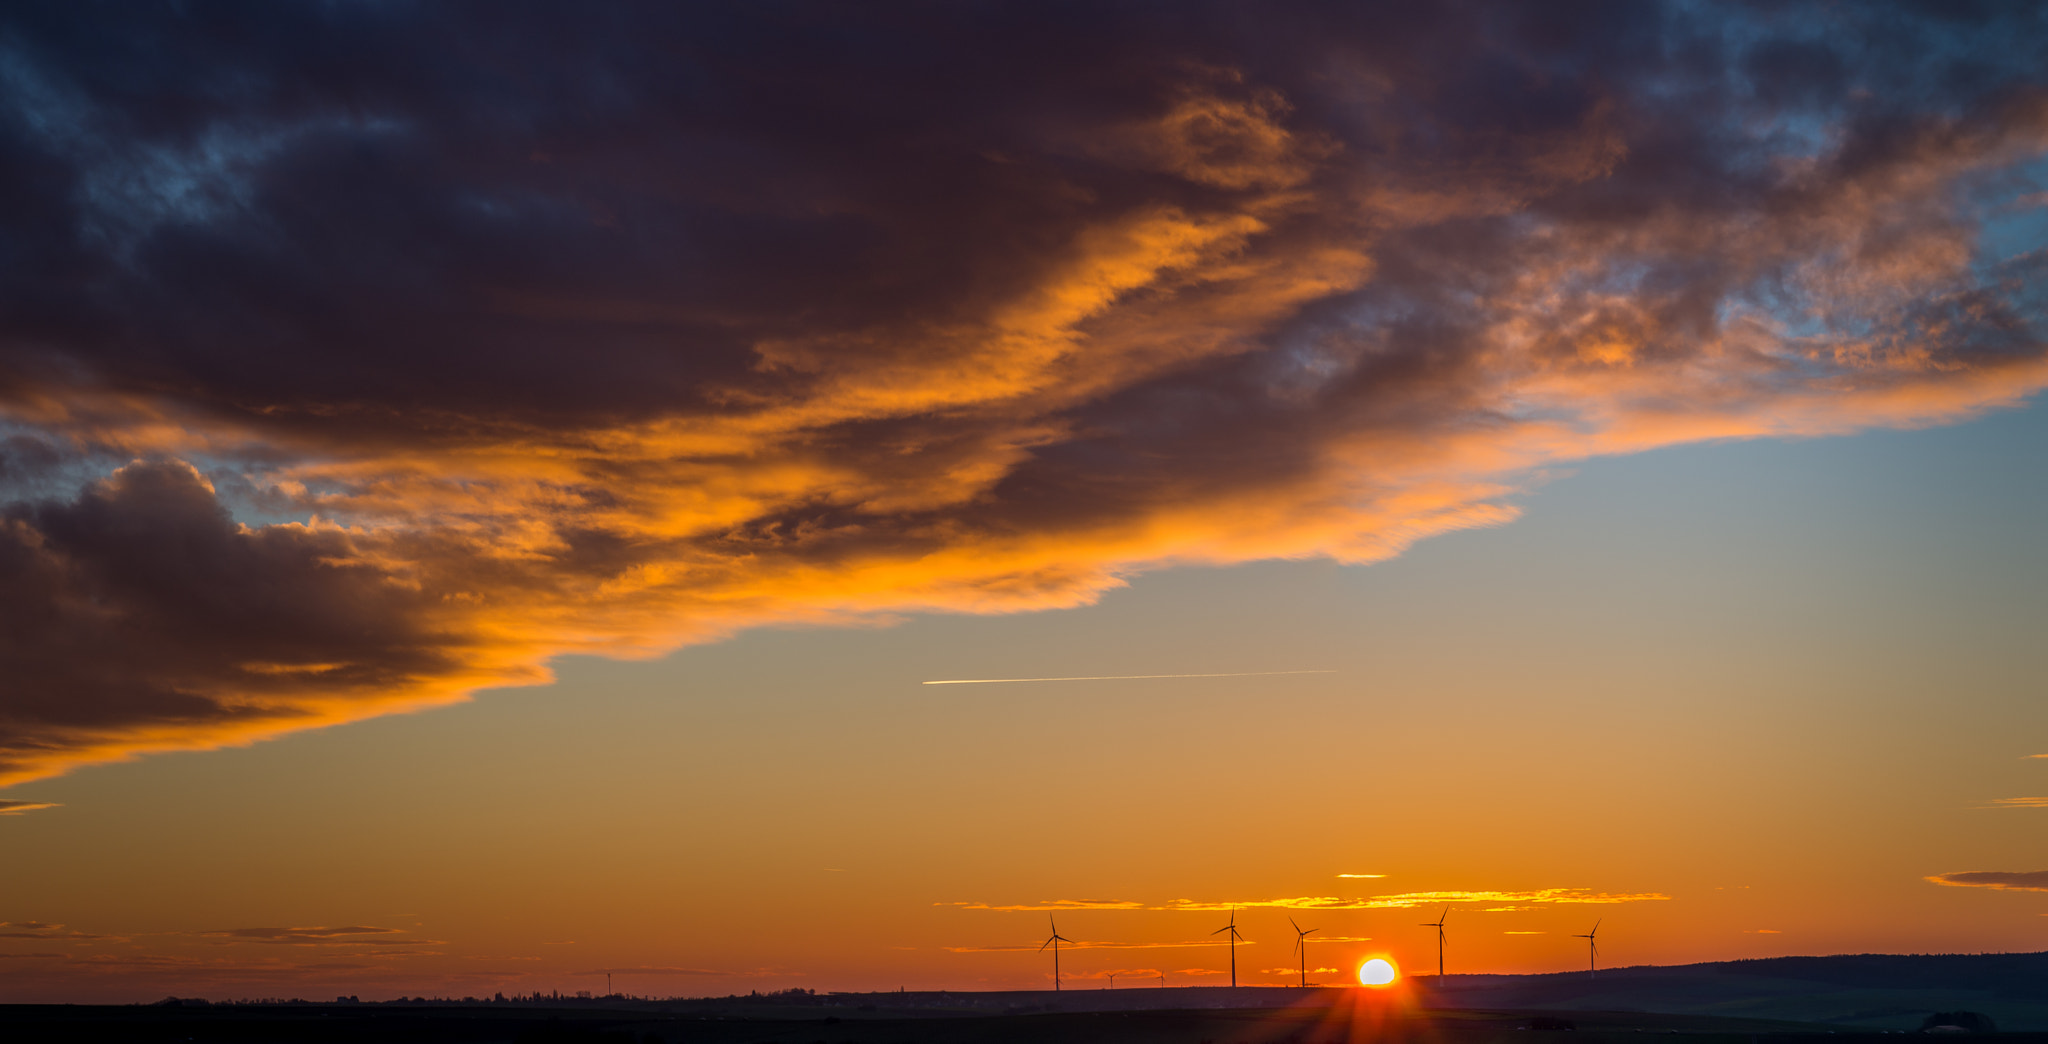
pixel 1846 999
pixel 628 1023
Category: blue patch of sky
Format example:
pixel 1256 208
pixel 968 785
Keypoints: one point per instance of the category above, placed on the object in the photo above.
pixel 1933 64
pixel 1782 304
pixel 248 491
pixel 35 466
pixel 195 183
pixel 143 185
pixel 2011 209
pixel 129 184
pixel 1313 354
pixel 42 105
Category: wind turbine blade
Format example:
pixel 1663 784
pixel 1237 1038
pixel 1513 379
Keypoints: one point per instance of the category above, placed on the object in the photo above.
pixel 1043 945
pixel 1225 928
pixel 1312 931
pixel 1297 928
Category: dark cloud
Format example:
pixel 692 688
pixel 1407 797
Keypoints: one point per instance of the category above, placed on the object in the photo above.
pixel 354 935
pixel 356 356
pixel 2003 880
pixel 39 930
pixel 134 607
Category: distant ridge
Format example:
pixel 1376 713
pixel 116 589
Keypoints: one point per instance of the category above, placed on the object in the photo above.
pixel 1863 991
pixel 1860 991
pixel 1881 970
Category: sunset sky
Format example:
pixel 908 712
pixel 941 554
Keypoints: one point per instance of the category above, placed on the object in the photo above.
pixel 483 489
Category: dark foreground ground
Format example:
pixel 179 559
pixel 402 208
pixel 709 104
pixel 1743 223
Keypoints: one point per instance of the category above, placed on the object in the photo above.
pixel 1310 1023
pixel 1350 1018
pixel 1845 999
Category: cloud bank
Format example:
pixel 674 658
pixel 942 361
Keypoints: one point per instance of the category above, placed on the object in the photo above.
pixel 356 357
pixel 39 930
pixel 1397 901
pixel 2003 880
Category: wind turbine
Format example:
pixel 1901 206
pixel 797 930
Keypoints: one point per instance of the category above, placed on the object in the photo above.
pixel 1055 942
pixel 1234 937
pixel 1592 950
pixel 1438 924
pixel 1301 943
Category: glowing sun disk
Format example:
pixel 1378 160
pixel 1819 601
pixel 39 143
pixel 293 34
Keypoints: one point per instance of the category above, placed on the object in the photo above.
pixel 1377 972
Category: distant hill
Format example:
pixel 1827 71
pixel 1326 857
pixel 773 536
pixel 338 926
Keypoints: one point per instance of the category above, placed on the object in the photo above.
pixel 1852 992
pixel 1865 991
pixel 1782 1000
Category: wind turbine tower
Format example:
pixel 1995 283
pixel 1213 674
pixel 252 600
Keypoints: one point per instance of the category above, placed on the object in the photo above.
pixel 1438 924
pixel 1301 943
pixel 1234 937
pixel 1055 942
pixel 1592 951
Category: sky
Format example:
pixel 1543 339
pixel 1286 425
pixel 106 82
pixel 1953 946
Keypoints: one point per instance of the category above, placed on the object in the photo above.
pixel 483 491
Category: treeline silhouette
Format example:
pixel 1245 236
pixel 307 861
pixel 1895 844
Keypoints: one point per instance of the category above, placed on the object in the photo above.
pixel 793 996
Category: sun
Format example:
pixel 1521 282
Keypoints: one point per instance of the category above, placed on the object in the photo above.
pixel 1377 972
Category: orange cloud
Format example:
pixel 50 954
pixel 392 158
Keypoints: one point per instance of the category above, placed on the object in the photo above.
pixel 1569 896
pixel 1411 899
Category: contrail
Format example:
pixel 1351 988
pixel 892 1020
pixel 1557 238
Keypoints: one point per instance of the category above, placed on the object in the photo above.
pixel 1113 677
